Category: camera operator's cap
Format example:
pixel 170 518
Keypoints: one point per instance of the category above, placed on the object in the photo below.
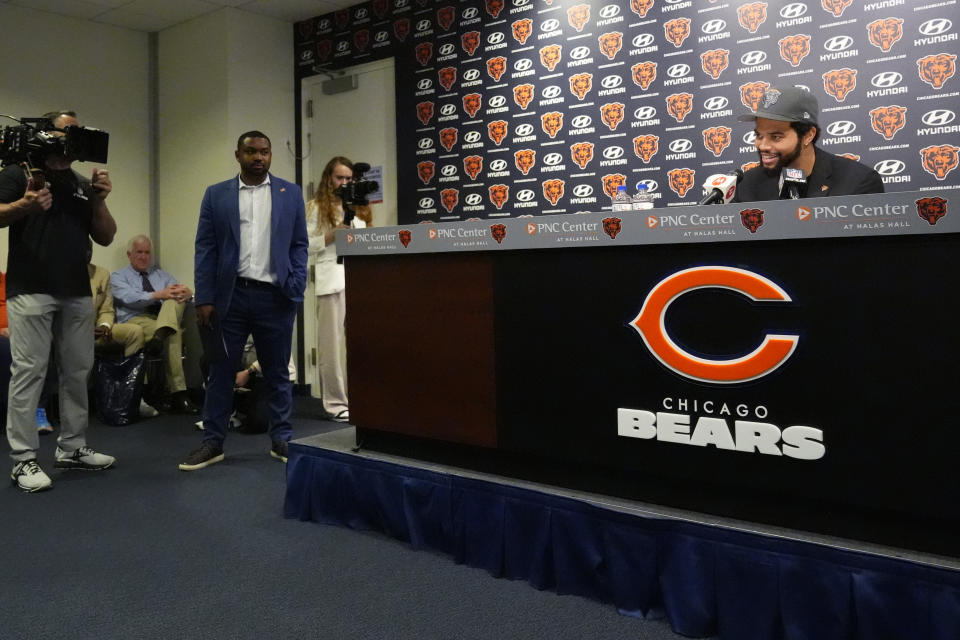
pixel 786 104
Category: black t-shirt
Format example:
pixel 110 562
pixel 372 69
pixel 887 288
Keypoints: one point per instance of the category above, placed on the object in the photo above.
pixel 48 250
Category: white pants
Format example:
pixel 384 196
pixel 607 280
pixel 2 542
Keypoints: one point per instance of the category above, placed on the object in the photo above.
pixel 331 351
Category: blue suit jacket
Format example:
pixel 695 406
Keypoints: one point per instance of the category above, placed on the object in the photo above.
pixel 217 254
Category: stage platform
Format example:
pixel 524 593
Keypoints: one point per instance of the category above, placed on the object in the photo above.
pixel 709 575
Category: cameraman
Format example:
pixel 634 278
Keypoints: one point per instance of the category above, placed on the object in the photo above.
pixel 325 214
pixel 48 300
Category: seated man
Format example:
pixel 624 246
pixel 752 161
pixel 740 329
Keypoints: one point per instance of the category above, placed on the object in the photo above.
pixel 152 299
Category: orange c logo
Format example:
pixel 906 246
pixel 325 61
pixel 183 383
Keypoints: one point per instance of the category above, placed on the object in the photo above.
pixel 772 352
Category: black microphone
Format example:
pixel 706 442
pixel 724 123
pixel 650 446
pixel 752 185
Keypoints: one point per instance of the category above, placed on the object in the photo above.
pixel 793 183
pixel 720 187
pixel 361 167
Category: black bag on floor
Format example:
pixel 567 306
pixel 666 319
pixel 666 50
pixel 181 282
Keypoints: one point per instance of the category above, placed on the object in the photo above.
pixel 119 388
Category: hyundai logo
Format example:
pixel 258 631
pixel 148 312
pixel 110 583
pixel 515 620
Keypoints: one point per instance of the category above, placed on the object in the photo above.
pixel 612 153
pixel 425 143
pixel 549 25
pixel 323 25
pixel 838 43
pixel 643 40
pixel 583 191
pixel 382 36
pixel 551 92
pixel 521 3
pixel 470 13
pixel 609 11
pixel 423 25
pixel 674 1
pixel 496 102
pixel 498 165
pixel 793 10
pixel 751 58
pixel 581 122
pixel 426 203
pixel 889 167
pixel 714 26
pixel 651 184
pixel 938 117
pixel 448 109
pixel 580 53
pixel 400 4
pixel 552 159
pixel 343 45
pixel 471 74
pixel 679 70
pixel 841 128
pixel 749 137
pixel 681 146
pixel 611 82
pixel 716 103
pixel 472 136
pixel 473 199
pixel 495 38
pixel 523 64
pixel 886 79
pixel 935 27
pixel 645 113
pixel 449 170
pixel 526 195
pixel 306 55
pixel 424 84
pixel 524 130
pixel 360 14
pixel 447 49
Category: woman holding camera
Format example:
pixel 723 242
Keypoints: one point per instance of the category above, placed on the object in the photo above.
pixel 325 214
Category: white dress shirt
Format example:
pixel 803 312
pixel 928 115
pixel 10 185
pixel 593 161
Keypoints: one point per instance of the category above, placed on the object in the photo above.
pixel 256 207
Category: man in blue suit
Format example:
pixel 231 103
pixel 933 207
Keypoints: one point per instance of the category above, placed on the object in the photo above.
pixel 250 273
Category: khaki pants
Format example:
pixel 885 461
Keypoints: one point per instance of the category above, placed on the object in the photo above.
pixel 171 314
pixel 127 334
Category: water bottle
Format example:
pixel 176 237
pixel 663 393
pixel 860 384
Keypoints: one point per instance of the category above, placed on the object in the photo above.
pixel 621 201
pixel 642 199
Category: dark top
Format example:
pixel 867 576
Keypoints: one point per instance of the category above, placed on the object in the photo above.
pixel 48 250
pixel 832 176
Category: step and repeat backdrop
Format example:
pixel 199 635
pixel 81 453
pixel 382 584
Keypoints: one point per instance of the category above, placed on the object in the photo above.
pixel 509 108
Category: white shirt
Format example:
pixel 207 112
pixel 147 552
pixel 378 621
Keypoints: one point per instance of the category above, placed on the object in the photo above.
pixel 256 207
pixel 328 275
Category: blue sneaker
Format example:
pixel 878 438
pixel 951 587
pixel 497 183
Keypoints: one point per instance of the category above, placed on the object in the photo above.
pixel 43 425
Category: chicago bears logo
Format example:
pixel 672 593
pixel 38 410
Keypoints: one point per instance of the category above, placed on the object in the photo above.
pixel 445 16
pixel 522 30
pixel 715 61
pixel 793 49
pixel 497 130
pixel 470 41
pixel 448 138
pixel 888 120
pixel 449 199
pixel 612 114
pixel 681 180
pixel 553 191
pixel 679 105
pixel 523 94
pixel 939 159
pixel 494 7
pixel 551 123
pixel 472 103
pixel 499 194
pixel 578 15
pixel 401 29
pixel 611 181
pixel 716 139
pixel 610 44
pixel 380 8
pixel 746 166
pixel 424 53
pixel 524 160
pixel 342 18
pixel 931 209
pixel 752 219
pixel 884 33
pixel 498 231
pixel 646 146
pixel 836 7
pixel 496 67
pixel 361 39
pixel 644 73
pixel 640 7
pixel 324 49
pixel 839 82
pixel 473 165
pixel 850 156
pixel 447 76
pixel 404 235
pixel 425 171
pixel 751 94
pixel 752 15
pixel 582 153
pixel 677 30
pixel 612 226
pixel 550 56
pixel 935 70
pixel 424 112
pixel 580 84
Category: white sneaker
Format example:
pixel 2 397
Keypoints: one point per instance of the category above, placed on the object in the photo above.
pixel 83 458
pixel 146 411
pixel 30 477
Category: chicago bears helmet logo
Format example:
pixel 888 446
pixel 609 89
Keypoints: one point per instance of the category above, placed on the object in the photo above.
pixel 550 56
pixel 793 49
pixel 497 130
pixel 380 8
pixel 582 153
pixel 473 165
pixel 472 103
pixel 445 16
pixel 494 7
pixel 752 15
pixel 553 191
pixel 612 114
pixel 448 138
pixel 612 226
pixel 498 231
pixel 449 199
pixel 324 49
pixel 751 94
pixel 840 82
pixel 752 219
pixel 716 139
pixel 646 146
pixel 447 76
pixel 611 181
pixel 640 7
pixel 939 159
pixel 679 105
pixel 425 171
pixel 470 41
pixel 885 33
pixel 681 180
pixel 578 15
pixel 424 53
pixel 610 44
pixel 715 61
pixel 677 30
pixel 524 160
pixel 931 209
pixel 935 70
pixel 644 73
pixel 424 112
pixel 551 123
pixel 836 7
pixel 746 166
pixel 404 235
pixel 361 39
pixel 499 194
pixel 523 94
pixel 496 67
pixel 522 30
pixel 580 84
pixel 401 29
pixel 888 120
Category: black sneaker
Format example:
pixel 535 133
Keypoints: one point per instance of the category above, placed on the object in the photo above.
pixel 205 456
pixel 278 450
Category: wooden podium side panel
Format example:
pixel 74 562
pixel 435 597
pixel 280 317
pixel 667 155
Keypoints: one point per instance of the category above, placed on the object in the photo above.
pixel 420 346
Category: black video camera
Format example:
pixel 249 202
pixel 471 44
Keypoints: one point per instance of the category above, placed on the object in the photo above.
pixel 355 192
pixel 33 140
